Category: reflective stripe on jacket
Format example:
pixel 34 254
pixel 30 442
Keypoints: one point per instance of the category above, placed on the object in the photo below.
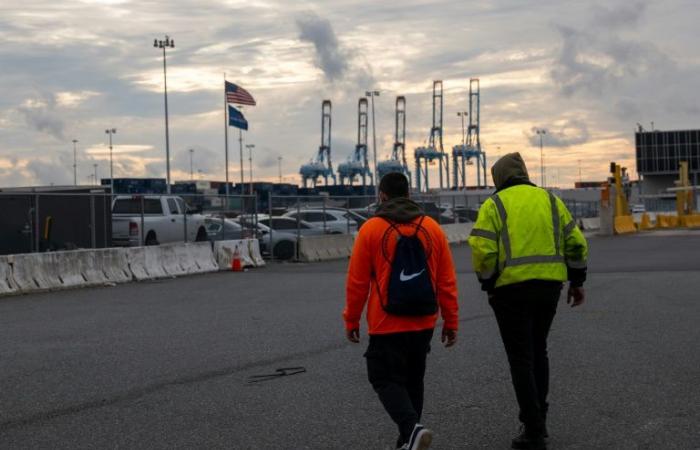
pixel 526 233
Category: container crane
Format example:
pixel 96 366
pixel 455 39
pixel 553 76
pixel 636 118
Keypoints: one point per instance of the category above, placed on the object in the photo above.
pixel 358 164
pixel 462 154
pixel 397 162
pixel 426 155
pixel 321 166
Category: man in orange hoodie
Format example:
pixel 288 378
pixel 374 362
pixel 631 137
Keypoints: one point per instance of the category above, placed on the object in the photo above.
pixel 401 265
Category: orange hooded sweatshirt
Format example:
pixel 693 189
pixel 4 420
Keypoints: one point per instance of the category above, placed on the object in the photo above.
pixel 371 263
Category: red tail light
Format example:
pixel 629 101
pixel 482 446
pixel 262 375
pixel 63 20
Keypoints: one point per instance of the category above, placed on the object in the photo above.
pixel 133 229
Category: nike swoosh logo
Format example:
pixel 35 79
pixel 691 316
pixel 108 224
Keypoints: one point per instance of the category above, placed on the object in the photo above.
pixel 404 277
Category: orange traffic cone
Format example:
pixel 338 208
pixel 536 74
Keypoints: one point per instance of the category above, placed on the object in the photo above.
pixel 236 265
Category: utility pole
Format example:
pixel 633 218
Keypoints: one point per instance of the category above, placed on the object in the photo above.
pixel 279 168
pixel 541 132
pixel 94 166
pixel 110 132
pixel 191 166
pixel 75 163
pixel 250 148
pixel 164 44
pixel 371 95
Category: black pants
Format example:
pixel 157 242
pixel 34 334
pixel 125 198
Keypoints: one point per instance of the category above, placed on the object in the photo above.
pixel 396 368
pixel 524 313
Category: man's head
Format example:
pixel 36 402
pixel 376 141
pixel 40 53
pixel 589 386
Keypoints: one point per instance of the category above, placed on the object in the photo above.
pixel 509 170
pixel 393 185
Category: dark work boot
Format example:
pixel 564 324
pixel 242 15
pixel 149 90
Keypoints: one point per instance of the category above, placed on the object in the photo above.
pixel 527 440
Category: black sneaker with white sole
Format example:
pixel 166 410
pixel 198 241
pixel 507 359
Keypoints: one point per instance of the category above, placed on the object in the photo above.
pixel 420 439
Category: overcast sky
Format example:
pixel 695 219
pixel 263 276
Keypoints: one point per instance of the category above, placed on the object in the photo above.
pixel 586 72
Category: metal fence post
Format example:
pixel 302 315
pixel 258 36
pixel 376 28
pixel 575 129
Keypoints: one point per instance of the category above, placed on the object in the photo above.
pixel 454 208
pixel 93 220
pixel 37 225
pixel 143 221
pixel 104 221
pixel 296 250
pixel 184 218
pixel 269 209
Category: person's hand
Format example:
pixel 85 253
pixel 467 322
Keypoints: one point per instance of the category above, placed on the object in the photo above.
pixel 353 335
pixel 576 296
pixel 449 337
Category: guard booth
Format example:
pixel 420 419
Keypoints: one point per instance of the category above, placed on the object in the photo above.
pixel 38 219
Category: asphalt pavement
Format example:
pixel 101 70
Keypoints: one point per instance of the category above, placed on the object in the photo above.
pixel 166 364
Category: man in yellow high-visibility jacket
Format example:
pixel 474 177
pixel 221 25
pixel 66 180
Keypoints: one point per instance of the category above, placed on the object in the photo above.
pixel 525 244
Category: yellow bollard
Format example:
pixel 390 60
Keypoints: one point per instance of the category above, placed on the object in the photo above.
pixel 624 225
pixel 645 223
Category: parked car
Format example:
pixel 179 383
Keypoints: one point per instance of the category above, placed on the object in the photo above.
pixel 334 221
pixel 164 219
pixel 221 230
pixel 291 225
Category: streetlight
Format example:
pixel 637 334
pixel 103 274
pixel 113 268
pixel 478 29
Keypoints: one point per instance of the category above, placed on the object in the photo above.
pixel 279 168
pixel 191 167
pixel 164 44
pixel 75 164
pixel 462 114
pixel 111 132
pixel 371 95
pixel 250 148
pixel 541 132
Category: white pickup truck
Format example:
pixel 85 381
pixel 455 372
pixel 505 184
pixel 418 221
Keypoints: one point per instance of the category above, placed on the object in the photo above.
pixel 152 220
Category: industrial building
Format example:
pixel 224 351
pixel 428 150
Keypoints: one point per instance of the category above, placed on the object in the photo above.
pixel 659 154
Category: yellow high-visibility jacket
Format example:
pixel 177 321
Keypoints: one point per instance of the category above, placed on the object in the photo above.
pixel 526 233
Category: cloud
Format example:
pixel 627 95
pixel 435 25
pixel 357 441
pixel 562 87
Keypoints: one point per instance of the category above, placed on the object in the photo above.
pixel 565 133
pixel 599 57
pixel 51 171
pixel 41 115
pixel 330 58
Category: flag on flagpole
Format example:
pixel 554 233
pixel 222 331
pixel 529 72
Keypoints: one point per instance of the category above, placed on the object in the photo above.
pixel 236 119
pixel 238 95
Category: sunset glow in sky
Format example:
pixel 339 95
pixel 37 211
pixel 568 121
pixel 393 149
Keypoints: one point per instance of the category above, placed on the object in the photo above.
pixel 587 72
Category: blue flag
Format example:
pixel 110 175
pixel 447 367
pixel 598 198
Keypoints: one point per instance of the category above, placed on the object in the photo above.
pixel 236 119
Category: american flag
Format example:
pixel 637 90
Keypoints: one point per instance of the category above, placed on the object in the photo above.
pixel 238 95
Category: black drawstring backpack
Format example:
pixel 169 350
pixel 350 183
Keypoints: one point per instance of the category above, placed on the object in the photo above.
pixel 410 291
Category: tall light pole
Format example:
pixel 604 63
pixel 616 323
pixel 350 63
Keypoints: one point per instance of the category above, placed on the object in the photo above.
pixel 250 148
pixel 279 168
pixel 94 166
pixel 75 163
pixel 541 132
pixel 110 132
pixel 579 171
pixel 463 115
pixel 371 95
pixel 191 166
pixel 164 44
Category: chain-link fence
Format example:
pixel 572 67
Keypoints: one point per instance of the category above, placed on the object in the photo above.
pixel 49 221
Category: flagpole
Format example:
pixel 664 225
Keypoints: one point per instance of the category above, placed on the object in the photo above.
pixel 240 142
pixel 226 134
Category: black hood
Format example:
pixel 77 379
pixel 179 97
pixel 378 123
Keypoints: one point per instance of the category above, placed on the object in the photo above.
pixel 400 210
pixel 509 171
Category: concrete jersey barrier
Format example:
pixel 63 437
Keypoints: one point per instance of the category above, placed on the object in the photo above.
pixel 145 263
pixel 224 251
pixel 457 233
pixel 327 247
pixel 7 284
